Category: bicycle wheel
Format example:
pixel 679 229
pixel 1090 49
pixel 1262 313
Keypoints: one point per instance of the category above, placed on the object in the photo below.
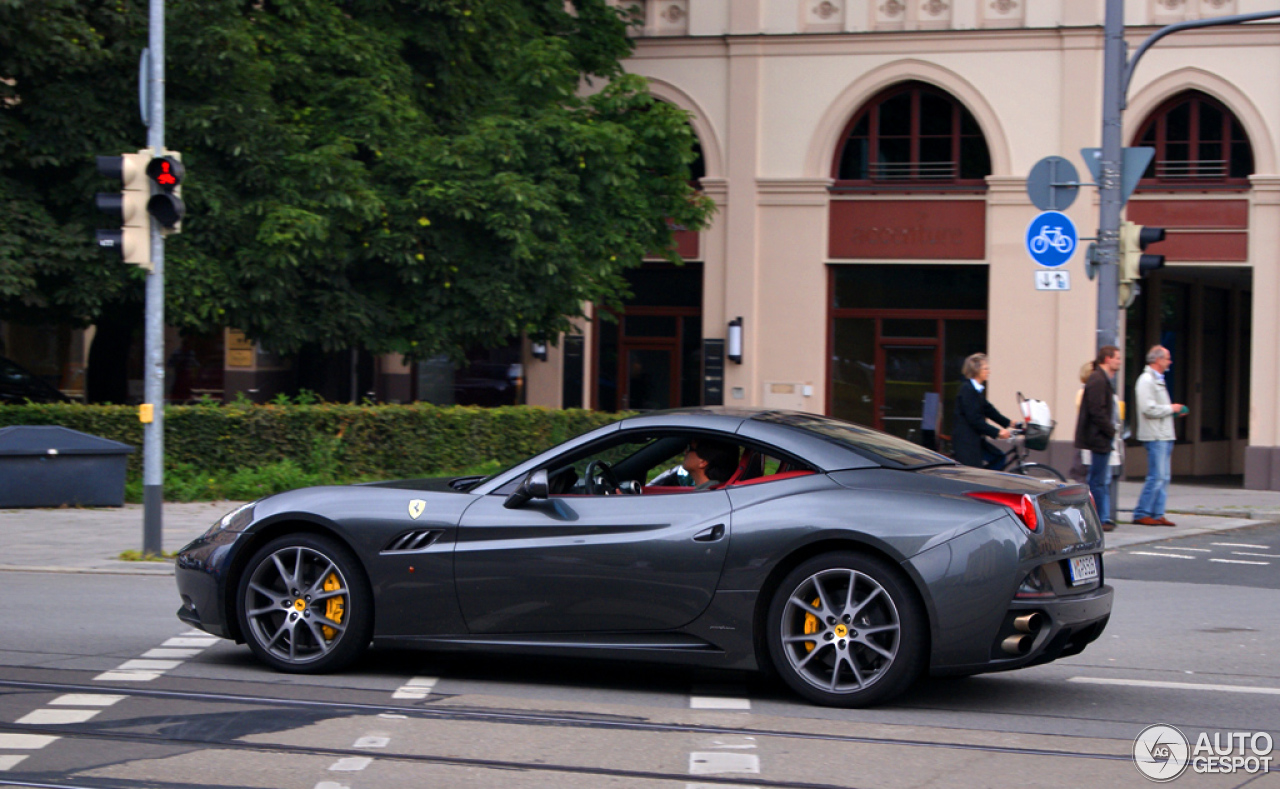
pixel 1040 471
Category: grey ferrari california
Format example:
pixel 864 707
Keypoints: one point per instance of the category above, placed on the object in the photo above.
pixel 846 560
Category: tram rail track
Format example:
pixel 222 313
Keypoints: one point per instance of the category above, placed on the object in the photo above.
pixel 485 715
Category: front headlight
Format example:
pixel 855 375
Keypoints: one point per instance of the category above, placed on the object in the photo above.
pixel 236 520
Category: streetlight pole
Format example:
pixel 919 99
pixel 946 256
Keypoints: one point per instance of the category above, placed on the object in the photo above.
pixel 153 386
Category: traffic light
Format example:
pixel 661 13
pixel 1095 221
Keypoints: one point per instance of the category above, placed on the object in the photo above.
pixel 129 205
pixel 1134 265
pixel 166 171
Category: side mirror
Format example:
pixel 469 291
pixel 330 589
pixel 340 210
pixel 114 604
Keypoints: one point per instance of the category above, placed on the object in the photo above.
pixel 534 486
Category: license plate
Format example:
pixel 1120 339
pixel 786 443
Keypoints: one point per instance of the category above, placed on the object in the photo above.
pixel 1083 568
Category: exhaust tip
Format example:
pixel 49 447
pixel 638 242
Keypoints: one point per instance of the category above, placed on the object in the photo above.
pixel 1029 623
pixel 1017 645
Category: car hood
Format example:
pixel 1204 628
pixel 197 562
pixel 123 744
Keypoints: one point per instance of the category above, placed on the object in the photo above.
pixel 433 484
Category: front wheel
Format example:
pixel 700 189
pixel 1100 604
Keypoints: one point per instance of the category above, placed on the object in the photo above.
pixel 1041 471
pixel 304 605
pixel 844 630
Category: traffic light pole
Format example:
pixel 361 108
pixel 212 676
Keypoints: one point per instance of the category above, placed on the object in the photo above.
pixel 1117 71
pixel 153 391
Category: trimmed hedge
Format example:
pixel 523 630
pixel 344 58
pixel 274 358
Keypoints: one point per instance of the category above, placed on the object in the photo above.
pixel 362 441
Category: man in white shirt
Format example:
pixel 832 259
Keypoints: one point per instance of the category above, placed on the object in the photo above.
pixel 1155 430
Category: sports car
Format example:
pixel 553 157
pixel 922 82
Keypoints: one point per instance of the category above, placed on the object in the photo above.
pixel 846 560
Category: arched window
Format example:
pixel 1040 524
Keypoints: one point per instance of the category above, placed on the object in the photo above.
pixel 916 136
pixel 1198 143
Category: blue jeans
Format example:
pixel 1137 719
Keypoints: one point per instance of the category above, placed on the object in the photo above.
pixel 1156 489
pixel 1100 483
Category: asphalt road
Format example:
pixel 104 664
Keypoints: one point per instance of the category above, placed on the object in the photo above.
pixel 1243 557
pixel 1189 643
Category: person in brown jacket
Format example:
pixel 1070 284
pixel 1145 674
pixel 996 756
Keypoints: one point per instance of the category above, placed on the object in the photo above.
pixel 1096 428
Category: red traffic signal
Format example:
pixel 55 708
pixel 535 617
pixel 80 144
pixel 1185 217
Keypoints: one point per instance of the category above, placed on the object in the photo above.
pixel 166 206
pixel 167 172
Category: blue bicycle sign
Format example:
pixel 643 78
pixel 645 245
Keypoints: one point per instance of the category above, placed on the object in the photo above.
pixel 1051 238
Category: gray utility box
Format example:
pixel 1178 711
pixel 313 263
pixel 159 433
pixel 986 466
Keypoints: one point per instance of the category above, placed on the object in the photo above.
pixel 47 466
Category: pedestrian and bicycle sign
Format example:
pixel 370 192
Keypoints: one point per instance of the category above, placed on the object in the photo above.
pixel 1051 239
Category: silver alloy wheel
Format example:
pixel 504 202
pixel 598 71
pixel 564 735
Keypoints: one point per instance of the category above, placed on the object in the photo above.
pixel 297 604
pixel 840 630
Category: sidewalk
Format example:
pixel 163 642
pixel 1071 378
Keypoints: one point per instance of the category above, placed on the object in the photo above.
pixel 90 540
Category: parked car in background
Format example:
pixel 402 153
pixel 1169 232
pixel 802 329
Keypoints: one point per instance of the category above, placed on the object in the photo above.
pixel 19 385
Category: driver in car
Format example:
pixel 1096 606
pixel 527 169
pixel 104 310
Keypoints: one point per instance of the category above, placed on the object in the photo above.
pixel 710 463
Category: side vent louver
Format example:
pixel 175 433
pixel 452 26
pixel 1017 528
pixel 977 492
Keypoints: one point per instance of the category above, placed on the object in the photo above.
pixel 411 541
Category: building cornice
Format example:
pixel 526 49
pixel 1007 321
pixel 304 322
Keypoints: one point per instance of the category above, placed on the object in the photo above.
pixel 793 191
pixel 913 42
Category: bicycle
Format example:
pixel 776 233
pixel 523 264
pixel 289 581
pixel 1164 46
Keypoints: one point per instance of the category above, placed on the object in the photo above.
pixel 1033 433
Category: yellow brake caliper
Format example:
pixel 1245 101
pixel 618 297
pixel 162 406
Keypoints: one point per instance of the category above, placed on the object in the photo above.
pixel 811 627
pixel 333 607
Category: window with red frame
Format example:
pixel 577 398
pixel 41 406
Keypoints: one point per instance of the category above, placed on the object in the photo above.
pixel 913 136
pixel 1198 143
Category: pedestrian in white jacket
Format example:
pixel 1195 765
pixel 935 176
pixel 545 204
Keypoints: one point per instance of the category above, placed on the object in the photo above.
pixel 1155 430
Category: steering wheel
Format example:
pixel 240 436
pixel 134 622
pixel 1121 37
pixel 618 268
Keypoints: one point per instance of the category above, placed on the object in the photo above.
pixel 607 482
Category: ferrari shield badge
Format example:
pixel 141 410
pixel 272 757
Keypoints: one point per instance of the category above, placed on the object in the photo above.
pixel 416 507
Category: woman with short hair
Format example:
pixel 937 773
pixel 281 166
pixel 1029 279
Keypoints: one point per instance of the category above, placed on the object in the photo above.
pixel 972 428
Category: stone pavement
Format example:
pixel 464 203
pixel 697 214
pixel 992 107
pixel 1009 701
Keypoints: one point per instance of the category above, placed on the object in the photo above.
pixel 92 539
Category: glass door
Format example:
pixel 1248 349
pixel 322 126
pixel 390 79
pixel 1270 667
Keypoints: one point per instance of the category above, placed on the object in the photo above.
pixel 906 373
pixel 649 377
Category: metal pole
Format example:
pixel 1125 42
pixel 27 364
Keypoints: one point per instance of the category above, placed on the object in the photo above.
pixel 153 432
pixel 1110 197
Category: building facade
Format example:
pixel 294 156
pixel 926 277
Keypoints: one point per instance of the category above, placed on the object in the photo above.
pixel 869 158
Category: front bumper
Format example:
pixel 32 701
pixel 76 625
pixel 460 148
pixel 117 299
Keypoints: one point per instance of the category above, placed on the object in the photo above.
pixel 201 571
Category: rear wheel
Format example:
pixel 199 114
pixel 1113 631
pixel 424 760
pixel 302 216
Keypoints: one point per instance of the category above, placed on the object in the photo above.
pixel 1041 471
pixel 845 631
pixel 304 604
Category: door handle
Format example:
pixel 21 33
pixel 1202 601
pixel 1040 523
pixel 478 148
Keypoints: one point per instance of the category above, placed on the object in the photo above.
pixel 710 535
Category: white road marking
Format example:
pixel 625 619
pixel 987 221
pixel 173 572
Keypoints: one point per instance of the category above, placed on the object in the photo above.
pixel 372 741
pixel 185 641
pixel 331 785
pixel 1149 683
pixel 351 764
pixel 1246 553
pixel 718 763
pixel 9 761
pixel 416 688
pixel 86 700
pixel 148 665
pixel 126 676
pixel 718 703
pixel 43 717
pixel 178 654
pixel 1241 545
pixel 1165 555
pixel 393 716
pixel 740 743
pixel 1170 548
pixel 25 742
pixel 1239 561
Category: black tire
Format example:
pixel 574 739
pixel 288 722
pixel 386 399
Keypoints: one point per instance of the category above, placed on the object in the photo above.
pixel 304 605
pixel 840 666
pixel 1041 471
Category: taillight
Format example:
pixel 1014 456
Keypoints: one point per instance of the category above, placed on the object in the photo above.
pixel 1021 503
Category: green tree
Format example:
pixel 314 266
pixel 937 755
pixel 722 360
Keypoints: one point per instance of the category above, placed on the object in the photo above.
pixel 413 176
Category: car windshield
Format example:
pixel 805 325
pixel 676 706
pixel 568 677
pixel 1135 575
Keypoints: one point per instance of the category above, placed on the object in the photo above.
pixel 878 446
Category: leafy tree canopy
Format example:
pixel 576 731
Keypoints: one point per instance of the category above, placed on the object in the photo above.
pixel 412 176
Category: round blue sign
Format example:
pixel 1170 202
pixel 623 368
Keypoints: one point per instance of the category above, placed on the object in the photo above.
pixel 1051 239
